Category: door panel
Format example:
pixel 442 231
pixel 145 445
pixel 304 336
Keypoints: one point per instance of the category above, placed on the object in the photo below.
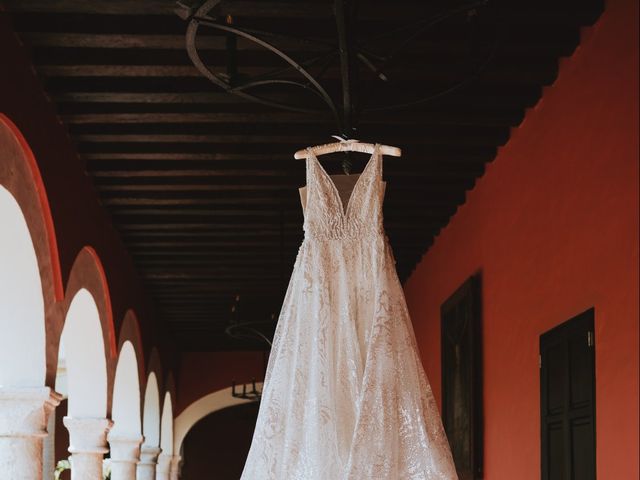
pixel 567 400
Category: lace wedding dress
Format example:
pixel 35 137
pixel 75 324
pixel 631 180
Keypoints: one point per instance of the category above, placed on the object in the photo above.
pixel 345 396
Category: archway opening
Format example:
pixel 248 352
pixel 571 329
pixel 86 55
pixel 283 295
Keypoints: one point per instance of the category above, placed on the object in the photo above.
pixel 86 366
pixel 126 395
pixel 151 414
pixel 166 426
pixel 219 443
pixel 82 371
pixel 22 320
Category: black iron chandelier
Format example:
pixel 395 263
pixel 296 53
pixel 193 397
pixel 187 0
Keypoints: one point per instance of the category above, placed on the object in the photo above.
pixel 362 63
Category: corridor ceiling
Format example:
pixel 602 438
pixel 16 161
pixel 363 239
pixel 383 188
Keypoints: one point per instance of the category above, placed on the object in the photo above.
pixel 202 185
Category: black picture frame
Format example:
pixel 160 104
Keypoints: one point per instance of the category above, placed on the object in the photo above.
pixel 461 364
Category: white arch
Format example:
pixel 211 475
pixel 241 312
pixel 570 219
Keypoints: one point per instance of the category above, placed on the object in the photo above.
pixel 22 322
pixel 166 426
pixel 126 395
pixel 151 419
pixel 85 358
pixel 201 408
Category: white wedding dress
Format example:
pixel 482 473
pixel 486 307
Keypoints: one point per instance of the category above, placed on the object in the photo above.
pixel 345 396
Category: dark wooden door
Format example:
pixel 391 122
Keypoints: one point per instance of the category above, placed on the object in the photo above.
pixel 567 387
pixel 461 344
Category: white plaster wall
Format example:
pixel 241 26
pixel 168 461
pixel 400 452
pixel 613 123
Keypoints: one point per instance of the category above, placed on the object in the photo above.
pixel 166 426
pixel 85 358
pixel 151 414
pixel 126 395
pixel 22 341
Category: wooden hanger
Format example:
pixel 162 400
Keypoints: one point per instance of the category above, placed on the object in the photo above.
pixel 350 145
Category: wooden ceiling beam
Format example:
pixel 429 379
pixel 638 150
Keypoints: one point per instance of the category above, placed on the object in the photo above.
pixel 509 97
pixel 421 223
pixel 164 7
pixel 426 139
pixel 101 142
pixel 582 12
pixel 449 187
pixel 291 203
pixel 272 159
pixel 212 41
pixel 526 74
pixel 400 196
pixel 439 174
pixel 488 118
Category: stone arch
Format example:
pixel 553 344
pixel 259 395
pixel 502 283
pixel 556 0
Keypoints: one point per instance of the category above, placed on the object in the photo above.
pixel 166 425
pixel 202 407
pixel 130 332
pixel 151 413
pixel 126 395
pixel 85 359
pixel 151 403
pixel 87 273
pixel 30 280
pixel 23 342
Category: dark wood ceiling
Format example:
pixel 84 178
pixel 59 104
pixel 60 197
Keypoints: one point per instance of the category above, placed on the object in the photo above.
pixel 202 184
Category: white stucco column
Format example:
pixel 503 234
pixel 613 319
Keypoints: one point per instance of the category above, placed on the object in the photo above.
pixel 87 445
pixel 148 462
pixel 164 467
pixel 24 413
pixel 125 453
pixel 176 466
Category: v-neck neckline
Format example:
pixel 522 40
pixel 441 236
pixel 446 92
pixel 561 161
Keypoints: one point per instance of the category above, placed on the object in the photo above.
pixel 344 211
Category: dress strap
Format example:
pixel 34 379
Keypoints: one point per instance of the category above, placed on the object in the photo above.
pixel 309 168
pixel 378 154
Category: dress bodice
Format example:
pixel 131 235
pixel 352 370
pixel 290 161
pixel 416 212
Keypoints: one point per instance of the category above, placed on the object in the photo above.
pixel 326 216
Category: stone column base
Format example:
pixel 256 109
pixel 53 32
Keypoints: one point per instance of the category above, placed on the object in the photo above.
pixel 176 467
pixel 24 412
pixel 164 467
pixel 147 464
pixel 125 453
pixel 87 445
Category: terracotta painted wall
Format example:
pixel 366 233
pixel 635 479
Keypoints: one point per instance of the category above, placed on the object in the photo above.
pixel 553 227
pixel 202 373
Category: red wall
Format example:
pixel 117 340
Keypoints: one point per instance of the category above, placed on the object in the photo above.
pixel 553 227
pixel 202 373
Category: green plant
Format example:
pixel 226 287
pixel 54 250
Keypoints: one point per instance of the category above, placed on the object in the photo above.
pixel 63 465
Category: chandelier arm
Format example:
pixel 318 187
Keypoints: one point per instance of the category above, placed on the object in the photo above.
pixel 272 103
pixel 274 73
pixel 457 86
pixel 203 13
pixel 195 58
pixel 364 59
pixel 326 65
pixel 283 36
pixel 429 23
pixel 247 326
pixel 252 337
pixel 445 14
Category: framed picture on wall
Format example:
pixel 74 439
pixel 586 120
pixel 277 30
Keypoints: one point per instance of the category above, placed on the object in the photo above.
pixel 461 344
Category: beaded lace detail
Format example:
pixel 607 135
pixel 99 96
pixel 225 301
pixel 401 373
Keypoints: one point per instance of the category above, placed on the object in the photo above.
pixel 325 215
pixel 345 396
